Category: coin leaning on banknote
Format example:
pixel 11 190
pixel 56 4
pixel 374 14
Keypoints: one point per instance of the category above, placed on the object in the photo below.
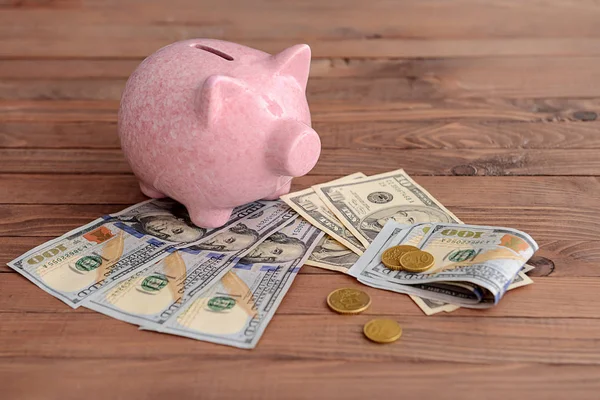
pixel 407 258
pixel 391 257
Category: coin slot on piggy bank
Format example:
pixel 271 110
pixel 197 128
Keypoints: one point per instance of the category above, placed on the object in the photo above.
pixel 214 51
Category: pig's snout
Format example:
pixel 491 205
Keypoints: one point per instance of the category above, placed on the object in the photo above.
pixel 294 149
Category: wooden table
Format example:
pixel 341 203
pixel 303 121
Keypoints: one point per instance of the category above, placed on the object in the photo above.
pixel 491 105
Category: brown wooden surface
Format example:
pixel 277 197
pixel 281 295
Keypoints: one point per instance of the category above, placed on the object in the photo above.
pixel 492 105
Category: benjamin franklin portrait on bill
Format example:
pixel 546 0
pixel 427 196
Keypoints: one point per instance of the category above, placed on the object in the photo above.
pixel 278 248
pixel 372 224
pixel 235 238
pixel 165 220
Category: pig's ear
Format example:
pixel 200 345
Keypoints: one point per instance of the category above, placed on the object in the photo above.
pixel 216 92
pixel 294 62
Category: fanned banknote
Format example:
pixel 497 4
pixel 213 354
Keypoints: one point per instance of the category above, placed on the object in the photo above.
pixel 82 261
pixel 365 205
pixel 155 291
pixel 474 265
pixel 308 204
pixel 331 254
pixel 237 310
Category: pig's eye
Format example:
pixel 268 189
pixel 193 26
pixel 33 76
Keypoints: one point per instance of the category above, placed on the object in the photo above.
pixel 214 51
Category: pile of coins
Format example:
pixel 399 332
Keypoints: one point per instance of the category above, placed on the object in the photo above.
pixel 353 301
pixel 407 258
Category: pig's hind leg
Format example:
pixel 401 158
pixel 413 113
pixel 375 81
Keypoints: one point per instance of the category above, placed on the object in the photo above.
pixel 285 189
pixel 151 192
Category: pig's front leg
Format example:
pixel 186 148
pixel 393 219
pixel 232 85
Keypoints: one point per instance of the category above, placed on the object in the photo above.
pixel 209 217
pixel 150 191
pixel 285 189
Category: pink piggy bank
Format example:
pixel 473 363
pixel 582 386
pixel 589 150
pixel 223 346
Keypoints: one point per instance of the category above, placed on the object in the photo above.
pixel 215 125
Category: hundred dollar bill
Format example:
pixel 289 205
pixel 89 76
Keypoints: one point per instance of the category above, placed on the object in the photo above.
pixel 365 205
pixel 474 265
pixel 308 204
pixel 77 264
pixel 154 292
pixel 431 307
pixel 331 254
pixel 237 310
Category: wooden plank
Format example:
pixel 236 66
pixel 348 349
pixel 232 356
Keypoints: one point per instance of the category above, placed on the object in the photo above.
pixel 84 161
pixel 484 162
pixel 49 219
pixel 87 135
pixel 391 135
pixel 324 337
pixel 82 189
pixel 468 109
pixel 549 297
pixel 509 191
pixel 488 71
pixel 355 80
pixel 262 378
pixel 469 27
pixel 495 162
pixel 39 4
pixel 55 111
pixel 72 189
pixel 459 135
pixel 50 46
pixel 484 109
pixel 63 69
pixel 560 222
pixel 336 19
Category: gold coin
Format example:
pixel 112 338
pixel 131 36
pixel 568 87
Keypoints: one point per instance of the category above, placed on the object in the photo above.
pixel 348 301
pixel 382 330
pixel 391 257
pixel 417 261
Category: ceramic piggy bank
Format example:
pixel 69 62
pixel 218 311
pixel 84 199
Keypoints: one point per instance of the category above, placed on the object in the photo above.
pixel 215 125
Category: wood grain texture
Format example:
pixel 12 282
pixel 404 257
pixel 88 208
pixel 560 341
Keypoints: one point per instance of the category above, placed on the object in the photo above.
pixel 334 79
pixel 340 162
pixel 508 191
pixel 555 258
pixel 335 135
pixel 264 378
pixel 319 337
pixel 337 28
pixel 493 106
pixel 450 109
pixel 547 298
pixel 559 222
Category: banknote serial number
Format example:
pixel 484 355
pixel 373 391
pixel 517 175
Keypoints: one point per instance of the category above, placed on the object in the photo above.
pixel 49 254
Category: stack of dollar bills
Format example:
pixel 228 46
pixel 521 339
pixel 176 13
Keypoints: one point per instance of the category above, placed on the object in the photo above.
pixel 149 265
pixel 363 216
